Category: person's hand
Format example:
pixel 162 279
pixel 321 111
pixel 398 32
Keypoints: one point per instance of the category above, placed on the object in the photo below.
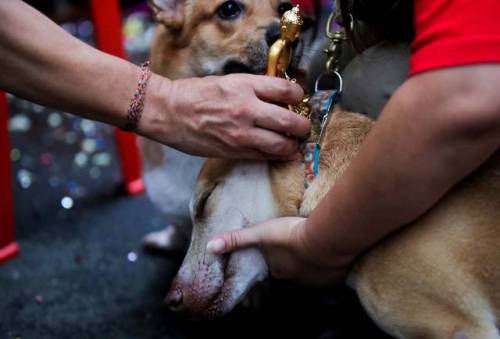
pixel 233 116
pixel 286 250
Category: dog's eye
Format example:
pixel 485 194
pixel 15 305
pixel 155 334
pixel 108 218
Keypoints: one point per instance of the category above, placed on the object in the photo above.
pixel 230 10
pixel 283 7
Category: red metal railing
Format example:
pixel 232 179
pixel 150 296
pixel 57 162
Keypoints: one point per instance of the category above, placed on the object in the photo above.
pixel 8 246
pixel 108 32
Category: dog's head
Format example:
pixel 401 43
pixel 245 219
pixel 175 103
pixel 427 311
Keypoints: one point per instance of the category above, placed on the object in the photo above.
pixel 216 37
pixel 229 195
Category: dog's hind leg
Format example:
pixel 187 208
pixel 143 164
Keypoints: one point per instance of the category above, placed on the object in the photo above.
pixel 426 317
pixel 414 307
pixel 427 297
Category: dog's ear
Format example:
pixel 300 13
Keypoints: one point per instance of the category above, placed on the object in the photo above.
pixel 168 12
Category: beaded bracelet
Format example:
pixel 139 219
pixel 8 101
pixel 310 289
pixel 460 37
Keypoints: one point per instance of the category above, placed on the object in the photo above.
pixel 136 105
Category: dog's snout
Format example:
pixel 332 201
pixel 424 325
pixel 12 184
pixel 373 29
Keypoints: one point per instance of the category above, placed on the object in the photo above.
pixel 272 33
pixel 196 285
pixel 174 299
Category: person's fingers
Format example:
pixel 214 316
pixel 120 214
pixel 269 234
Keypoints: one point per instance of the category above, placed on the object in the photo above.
pixel 273 231
pixel 293 157
pixel 277 90
pixel 273 144
pixel 232 241
pixel 282 120
pixel 245 154
pixel 222 150
pixel 257 155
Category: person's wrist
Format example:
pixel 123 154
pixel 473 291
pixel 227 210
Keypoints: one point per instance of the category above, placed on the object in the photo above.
pixel 321 251
pixel 155 123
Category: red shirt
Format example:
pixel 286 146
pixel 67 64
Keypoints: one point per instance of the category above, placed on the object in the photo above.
pixel 455 32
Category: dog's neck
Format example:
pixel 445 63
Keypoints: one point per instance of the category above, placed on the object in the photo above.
pixel 345 134
pixel 343 137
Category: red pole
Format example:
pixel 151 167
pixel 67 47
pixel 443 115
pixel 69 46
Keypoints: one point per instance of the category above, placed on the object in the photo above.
pixel 8 247
pixel 108 29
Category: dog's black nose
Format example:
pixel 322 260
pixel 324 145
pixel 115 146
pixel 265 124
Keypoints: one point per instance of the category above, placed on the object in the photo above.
pixel 272 33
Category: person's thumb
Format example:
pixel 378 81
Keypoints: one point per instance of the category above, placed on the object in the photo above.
pixel 234 240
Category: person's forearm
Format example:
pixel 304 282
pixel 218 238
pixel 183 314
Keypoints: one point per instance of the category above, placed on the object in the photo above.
pixel 43 63
pixel 437 128
pixel 231 116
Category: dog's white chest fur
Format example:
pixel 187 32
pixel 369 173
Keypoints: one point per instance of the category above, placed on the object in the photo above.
pixel 170 185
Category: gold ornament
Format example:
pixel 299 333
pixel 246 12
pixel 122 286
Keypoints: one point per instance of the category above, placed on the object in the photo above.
pixel 281 53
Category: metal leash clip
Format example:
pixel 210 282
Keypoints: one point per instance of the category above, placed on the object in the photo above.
pixel 323 102
pixel 328 98
pixel 334 51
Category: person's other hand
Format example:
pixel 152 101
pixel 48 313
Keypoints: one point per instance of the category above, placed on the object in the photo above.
pixel 286 251
pixel 233 116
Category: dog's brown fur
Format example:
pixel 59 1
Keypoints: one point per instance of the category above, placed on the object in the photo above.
pixel 436 278
pixel 195 34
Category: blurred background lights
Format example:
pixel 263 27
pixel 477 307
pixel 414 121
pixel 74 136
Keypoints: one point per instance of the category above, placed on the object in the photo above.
pixel 67 203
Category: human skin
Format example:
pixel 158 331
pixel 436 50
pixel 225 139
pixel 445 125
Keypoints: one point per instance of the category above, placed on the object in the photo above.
pixel 233 116
pixel 437 128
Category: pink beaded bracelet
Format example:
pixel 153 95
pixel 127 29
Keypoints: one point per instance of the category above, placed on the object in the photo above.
pixel 136 105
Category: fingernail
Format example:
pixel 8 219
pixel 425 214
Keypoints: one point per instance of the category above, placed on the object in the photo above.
pixel 216 246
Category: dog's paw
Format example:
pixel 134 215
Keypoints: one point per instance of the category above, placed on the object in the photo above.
pixel 168 239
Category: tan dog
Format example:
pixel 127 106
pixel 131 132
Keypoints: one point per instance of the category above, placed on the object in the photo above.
pixel 437 278
pixel 198 38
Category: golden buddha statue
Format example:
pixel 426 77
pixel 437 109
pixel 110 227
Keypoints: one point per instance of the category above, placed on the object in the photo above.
pixel 281 53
